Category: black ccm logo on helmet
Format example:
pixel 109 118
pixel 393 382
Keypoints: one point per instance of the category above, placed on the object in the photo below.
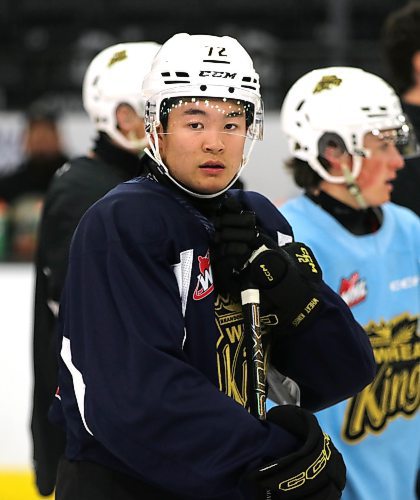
pixel 217 74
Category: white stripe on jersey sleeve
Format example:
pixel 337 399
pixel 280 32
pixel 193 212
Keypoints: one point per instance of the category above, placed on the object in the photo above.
pixel 78 382
pixel 182 272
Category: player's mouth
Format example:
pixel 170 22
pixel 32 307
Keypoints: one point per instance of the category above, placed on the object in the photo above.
pixel 390 182
pixel 212 166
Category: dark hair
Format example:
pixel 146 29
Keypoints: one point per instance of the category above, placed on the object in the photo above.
pixel 303 175
pixel 401 40
pixel 40 111
pixel 167 104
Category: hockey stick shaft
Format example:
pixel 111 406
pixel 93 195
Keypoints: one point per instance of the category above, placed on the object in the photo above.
pixel 250 298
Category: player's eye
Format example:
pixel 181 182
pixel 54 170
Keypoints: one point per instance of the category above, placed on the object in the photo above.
pixel 384 146
pixel 196 126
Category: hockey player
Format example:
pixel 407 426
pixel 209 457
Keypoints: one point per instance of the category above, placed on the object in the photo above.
pixel 112 100
pixel 401 43
pixel 347 135
pixel 154 391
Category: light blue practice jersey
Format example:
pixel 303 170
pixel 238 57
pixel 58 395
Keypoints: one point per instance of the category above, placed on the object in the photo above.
pixel 378 430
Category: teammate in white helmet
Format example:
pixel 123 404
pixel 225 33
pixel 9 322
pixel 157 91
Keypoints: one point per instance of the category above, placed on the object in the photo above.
pixel 155 392
pixel 112 99
pixel 348 138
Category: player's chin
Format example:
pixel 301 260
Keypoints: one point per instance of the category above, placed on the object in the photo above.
pixel 211 186
pixel 384 197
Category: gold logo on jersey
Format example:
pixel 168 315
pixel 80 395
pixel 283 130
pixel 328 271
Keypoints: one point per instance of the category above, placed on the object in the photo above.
pixel 327 83
pixel 117 56
pixel 395 390
pixel 231 350
pixel 230 346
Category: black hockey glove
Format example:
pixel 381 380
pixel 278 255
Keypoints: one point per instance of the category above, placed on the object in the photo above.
pixel 236 235
pixel 316 471
pixel 286 276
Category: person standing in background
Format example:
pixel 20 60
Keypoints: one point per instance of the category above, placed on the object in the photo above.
pixel 44 154
pixel 347 137
pixel 22 191
pixel 112 99
pixel 401 43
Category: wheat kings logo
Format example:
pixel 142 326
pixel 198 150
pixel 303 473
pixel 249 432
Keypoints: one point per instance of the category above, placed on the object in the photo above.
pixel 395 390
pixel 117 57
pixel 231 350
pixel 327 82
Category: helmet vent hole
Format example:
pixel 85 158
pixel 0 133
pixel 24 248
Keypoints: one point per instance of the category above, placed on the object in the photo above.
pixel 383 108
pixel 300 105
pixel 231 90
pixel 166 73
pixel 182 74
pixel 203 88
pixel 246 79
pixel 365 108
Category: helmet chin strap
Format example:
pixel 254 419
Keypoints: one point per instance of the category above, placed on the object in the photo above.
pixel 154 154
pixel 353 188
pixel 130 142
pixel 138 144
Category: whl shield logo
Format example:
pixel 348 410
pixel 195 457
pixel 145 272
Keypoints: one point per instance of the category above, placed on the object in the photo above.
pixel 353 290
pixel 205 284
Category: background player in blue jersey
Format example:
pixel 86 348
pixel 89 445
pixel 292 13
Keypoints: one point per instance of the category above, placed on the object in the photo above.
pixel 154 391
pixel 348 136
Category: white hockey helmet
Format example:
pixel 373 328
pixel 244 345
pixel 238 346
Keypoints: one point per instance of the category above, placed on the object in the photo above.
pixel 344 101
pixel 202 66
pixel 115 76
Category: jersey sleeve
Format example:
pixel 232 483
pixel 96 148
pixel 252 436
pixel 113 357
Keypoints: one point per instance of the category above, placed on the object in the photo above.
pixel 65 204
pixel 335 356
pixel 331 358
pixel 123 360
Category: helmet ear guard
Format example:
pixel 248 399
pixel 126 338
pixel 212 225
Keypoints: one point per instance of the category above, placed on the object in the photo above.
pixel 114 77
pixel 200 67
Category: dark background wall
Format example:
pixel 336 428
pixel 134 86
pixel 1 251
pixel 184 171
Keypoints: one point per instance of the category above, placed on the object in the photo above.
pixel 47 44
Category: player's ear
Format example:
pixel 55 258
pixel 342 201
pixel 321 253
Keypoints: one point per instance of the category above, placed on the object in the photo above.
pixel 336 158
pixel 160 134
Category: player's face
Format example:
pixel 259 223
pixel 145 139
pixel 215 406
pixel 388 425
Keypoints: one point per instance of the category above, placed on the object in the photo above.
pixel 379 170
pixel 204 143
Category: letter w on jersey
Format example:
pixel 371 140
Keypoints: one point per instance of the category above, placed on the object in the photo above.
pixel 204 279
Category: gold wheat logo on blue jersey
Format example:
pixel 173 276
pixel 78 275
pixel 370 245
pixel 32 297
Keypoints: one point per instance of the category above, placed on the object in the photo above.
pixel 395 390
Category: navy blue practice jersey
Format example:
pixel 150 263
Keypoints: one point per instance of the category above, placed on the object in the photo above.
pixel 153 377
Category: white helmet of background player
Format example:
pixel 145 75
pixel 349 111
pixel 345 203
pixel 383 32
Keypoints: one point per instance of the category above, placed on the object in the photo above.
pixel 345 102
pixel 114 77
pixel 200 67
